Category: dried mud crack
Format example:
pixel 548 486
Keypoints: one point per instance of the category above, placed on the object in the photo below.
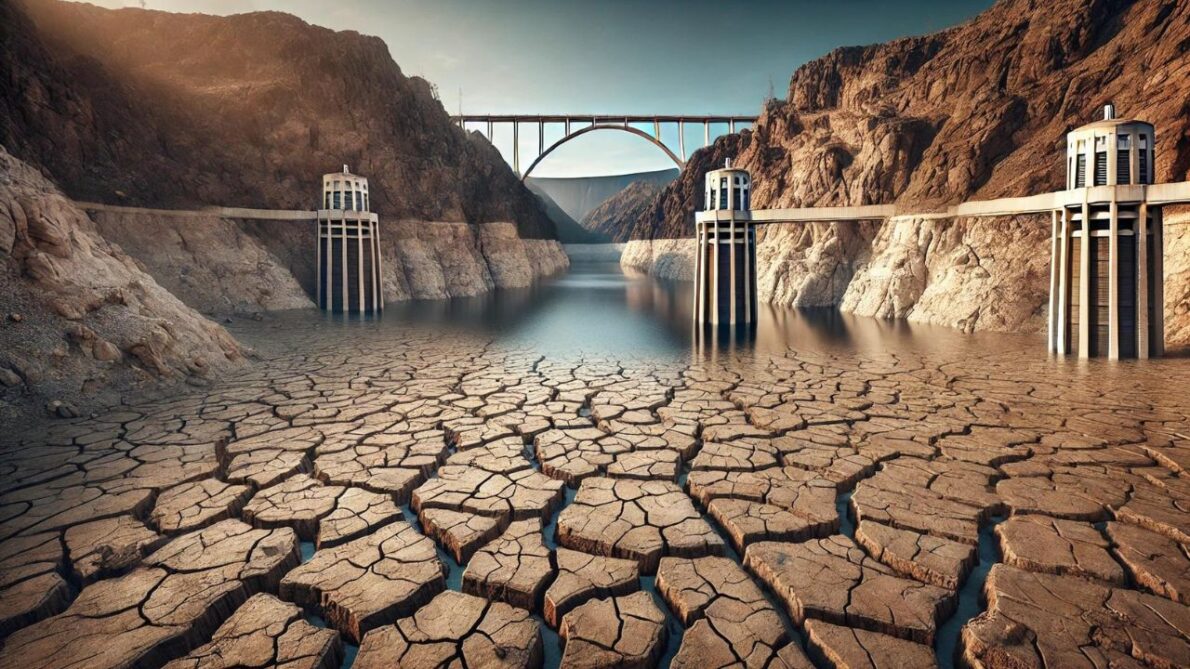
pixel 440 499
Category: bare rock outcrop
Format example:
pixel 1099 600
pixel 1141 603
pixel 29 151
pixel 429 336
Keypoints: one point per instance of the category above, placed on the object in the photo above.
pixel 423 260
pixel 82 322
pixel 209 263
pixel 614 216
pixel 225 266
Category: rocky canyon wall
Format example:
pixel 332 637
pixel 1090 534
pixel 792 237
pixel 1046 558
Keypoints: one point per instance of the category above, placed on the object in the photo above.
pixel 614 216
pixel 224 266
pixel 977 111
pixel 154 109
pixel 970 274
pixel 81 322
pixel 211 263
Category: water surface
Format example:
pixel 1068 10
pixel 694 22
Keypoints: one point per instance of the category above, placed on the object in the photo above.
pixel 597 308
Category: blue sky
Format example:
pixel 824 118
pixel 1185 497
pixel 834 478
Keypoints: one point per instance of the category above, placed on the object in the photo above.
pixel 609 56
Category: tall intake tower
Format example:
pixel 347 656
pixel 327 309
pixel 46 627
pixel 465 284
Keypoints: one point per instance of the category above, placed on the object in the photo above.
pixel 1106 256
pixel 725 259
pixel 348 247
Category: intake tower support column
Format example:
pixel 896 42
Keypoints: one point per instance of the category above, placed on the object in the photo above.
pixel 348 247
pixel 1106 253
pixel 725 258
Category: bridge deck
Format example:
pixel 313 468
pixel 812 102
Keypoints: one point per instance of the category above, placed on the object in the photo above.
pixel 602 118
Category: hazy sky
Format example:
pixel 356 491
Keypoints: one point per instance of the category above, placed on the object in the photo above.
pixel 606 56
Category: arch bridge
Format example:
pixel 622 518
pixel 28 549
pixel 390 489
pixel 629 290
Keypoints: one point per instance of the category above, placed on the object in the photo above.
pixel 576 125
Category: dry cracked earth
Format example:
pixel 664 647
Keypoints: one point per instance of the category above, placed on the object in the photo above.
pixel 438 501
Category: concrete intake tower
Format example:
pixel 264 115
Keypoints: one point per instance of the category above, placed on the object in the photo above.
pixel 349 259
pixel 1106 288
pixel 725 256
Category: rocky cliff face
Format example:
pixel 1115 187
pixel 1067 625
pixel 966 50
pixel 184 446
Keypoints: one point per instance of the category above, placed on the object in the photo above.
pixel 579 196
pixel 977 111
pixel 210 263
pixel 441 260
pixel 568 230
pixel 80 322
pixel 154 109
pixel 615 216
pixel 223 266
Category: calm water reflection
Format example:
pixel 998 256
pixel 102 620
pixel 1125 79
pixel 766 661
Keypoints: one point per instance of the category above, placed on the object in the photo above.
pixel 596 308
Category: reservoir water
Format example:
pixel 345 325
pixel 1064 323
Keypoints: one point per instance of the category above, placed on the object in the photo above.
pixel 597 308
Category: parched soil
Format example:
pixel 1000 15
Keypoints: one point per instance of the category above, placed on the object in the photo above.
pixel 439 499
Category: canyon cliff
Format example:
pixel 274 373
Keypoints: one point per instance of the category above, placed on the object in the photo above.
pixel 114 122
pixel 80 321
pixel 977 111
pixel 615 215
pixel 148 108
pixel 579 196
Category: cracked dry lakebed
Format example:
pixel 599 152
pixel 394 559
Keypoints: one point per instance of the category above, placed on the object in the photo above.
pixel 398 495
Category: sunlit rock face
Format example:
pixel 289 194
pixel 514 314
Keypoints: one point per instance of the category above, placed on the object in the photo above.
pixel 245 110
pixel 977 111
pixel 81 321
pixel 969 274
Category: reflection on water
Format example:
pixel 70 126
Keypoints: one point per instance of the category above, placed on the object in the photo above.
pixel 597 308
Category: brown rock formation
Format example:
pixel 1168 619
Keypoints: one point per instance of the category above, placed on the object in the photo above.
pixel 210 263
pixel 973 112
pixel 616 215
pixel 82 322
pixel 228 95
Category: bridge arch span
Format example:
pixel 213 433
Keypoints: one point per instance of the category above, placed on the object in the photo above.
pixel 592 128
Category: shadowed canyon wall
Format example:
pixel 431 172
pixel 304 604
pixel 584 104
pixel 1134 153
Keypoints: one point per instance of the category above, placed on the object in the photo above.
pixel 977 111
pixel 180 111
pixel 147 108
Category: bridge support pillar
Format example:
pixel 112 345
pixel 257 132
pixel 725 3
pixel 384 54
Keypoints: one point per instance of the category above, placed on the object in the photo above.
pixel 725 252
pixel 516 148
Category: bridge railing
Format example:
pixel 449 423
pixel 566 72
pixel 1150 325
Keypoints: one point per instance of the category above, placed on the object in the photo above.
pixel 588 122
